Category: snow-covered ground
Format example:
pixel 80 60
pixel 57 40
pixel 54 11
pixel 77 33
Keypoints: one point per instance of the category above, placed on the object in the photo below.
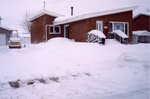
pixel 63 69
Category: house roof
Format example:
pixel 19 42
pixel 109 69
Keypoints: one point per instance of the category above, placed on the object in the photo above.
pixel 63 20
pixel 43 12
pixel 142 13
pixel 141 33
pixel 83 9
pixel 6 28
pixel 24 35
pixel 87 6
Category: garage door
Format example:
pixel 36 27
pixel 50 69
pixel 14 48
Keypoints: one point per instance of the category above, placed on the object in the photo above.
pixel 2 39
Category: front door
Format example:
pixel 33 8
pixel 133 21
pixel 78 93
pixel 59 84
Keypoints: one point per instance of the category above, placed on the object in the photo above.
pixel 66 31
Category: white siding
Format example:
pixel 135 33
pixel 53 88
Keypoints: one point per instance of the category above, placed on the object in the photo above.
pixel 2 39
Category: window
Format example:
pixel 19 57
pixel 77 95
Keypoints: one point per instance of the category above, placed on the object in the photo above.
pixel 99 25
pixel 57 29
pixel 123 26
pixel 51 29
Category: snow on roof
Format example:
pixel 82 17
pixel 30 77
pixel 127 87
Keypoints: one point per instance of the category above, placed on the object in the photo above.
pixel 43 12
pixel 6 28
pixel 120 33
pixel 141 33
pixel 98 33
pixel 63 20
pixel 142 13
pixel 87 6
pixel 25 35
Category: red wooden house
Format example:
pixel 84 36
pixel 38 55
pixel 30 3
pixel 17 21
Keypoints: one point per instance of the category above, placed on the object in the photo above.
pixel 46 24
pixel 142 22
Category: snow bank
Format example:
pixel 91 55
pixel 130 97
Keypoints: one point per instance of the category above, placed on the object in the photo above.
pixel 84 70
pixel 59 40
pixel 120 33
pixel 98 33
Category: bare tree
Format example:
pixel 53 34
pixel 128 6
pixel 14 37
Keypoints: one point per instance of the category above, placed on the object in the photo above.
pixel 25 24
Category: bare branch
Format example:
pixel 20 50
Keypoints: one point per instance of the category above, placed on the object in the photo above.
pixel 25 24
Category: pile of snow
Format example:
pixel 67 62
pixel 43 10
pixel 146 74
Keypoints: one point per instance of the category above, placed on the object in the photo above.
pixel 62 69
pixel 24 35
pixel 60 39
pixel 97 33
pixel 120 33
pixel 141 33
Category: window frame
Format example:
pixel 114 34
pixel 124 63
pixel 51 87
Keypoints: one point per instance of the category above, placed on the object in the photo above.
pixel 98 23
pixel 53 31
pixel 124 23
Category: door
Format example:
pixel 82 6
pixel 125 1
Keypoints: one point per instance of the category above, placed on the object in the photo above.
pixel 99 25
pixel 2 39
pixel 66 31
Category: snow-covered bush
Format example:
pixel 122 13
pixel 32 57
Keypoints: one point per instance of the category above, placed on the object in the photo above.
pixel 96 36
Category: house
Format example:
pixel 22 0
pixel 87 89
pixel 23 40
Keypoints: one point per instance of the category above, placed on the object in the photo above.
pixel 39 23
pixel 142 21
pixel 46 24
pixel 4 35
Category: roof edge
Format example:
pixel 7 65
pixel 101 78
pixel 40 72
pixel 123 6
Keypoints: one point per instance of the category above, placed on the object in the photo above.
pixel 43 12
pixel 95 14
pixel 6 28
pixel 141 14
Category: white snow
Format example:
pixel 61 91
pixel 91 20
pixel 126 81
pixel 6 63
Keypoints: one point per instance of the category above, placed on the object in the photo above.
pixel 146 13
pixel 96 13
pixel 120 33
pixel 141 32
pixel 43 12
pixel 82 10
pixel 24 35
pixel 86 6
pixel 5 28
pixel 15 39
pixel 85 70
pixel 98 33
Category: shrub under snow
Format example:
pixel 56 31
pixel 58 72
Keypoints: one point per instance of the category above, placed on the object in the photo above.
pixel 96 36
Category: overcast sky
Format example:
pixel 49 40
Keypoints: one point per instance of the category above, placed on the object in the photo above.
pixel 13 11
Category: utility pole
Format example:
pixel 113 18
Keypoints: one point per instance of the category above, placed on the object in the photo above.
pixel 0 20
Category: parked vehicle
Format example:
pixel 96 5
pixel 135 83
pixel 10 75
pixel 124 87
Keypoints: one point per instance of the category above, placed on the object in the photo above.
pixel 15 42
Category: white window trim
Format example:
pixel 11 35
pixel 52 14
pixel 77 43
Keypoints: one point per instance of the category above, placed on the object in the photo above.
pixel 54 32
pixel 97 25
pixel 124 26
